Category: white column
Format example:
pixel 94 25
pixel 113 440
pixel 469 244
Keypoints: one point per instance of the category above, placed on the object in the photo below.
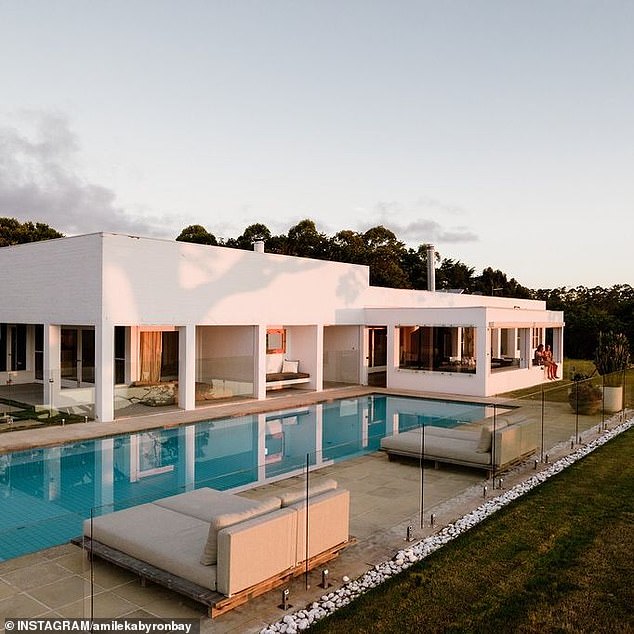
pixel 51 363
pixel 104 372
pixel 259 362
pixel 364 354
pixel 319 358
pixel 131 354
pixel 558 347
pixel 392 360
pixel 187 366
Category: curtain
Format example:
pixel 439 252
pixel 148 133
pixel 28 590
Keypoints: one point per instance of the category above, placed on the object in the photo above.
pixel 151 348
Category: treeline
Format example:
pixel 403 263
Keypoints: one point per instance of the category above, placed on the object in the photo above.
pixel 587 311
pixel 14 232
pixel 391 262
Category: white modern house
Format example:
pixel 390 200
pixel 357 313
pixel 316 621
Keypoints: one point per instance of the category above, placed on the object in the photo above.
pixel 103 320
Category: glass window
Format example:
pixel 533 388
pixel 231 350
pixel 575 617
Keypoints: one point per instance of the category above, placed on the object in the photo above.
pixel 3 347
pixel 39 351
pixel 437 348
pixel 377 352
pixel 119 354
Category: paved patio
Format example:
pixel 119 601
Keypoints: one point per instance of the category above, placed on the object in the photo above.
pixel 385 499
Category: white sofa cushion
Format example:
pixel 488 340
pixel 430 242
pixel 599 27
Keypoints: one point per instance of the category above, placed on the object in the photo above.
pixel 206 503
pixel 290 366
pixel 448 447
pixel 297 495
pixel 161 537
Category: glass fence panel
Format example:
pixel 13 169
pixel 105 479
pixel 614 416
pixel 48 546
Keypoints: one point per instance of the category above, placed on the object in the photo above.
pixel 224 377
pixel 342 366
pixel 32 405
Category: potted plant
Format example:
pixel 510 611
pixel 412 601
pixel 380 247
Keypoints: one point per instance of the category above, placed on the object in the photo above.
pixel 611 359
pixel 583 396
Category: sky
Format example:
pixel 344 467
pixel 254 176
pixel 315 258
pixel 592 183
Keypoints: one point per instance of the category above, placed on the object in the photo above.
pixel 500 131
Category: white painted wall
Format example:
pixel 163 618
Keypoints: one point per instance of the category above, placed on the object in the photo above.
pixel 55 281
pixel 157 281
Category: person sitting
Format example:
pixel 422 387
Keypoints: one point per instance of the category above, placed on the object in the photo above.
pixel 538 359
pixel 551 366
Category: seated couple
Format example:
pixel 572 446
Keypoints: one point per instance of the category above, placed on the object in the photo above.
pixel 544 356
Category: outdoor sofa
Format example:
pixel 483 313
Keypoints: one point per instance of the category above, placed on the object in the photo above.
pixel 286 375
pixel 221 548
pixel 482 447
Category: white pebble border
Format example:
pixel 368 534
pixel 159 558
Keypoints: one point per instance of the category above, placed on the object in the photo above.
pixel 329 603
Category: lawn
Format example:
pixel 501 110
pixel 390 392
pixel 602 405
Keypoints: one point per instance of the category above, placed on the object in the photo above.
pixel 560 559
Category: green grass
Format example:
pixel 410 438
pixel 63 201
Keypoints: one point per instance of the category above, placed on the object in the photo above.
pixel 560 559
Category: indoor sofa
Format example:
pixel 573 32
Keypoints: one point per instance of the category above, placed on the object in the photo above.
pixel 221 548
pixel 480 446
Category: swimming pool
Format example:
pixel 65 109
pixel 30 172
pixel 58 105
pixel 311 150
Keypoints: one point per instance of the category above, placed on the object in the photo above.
pixel 47 493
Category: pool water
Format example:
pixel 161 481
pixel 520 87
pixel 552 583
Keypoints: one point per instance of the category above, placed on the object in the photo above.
pixel 47 493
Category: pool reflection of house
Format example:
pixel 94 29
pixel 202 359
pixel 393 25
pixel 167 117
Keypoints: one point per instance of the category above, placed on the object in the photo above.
pixel 102 321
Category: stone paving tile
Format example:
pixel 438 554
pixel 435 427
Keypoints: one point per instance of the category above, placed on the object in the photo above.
pixel 37 575
pixel 21 606
pixel 7 590
pixel 142 595
pixel 69 590
pixel 106 575
pixel 104 605
pixel 22 562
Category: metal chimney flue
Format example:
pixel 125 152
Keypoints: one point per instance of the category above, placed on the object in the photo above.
pixel 258 246
pixel 431 267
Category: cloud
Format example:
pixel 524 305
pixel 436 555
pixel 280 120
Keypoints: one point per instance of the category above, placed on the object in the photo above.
pixel 393 214
pixel 39 181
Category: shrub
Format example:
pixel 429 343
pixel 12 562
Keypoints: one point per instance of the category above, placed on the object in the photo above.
pixel 612 356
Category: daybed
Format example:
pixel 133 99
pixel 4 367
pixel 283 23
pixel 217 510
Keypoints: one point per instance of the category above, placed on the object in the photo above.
pixel 480 447
pixel 286 376
pixel 220 548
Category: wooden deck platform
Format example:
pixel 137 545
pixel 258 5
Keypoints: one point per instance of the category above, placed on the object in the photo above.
pixel 216 603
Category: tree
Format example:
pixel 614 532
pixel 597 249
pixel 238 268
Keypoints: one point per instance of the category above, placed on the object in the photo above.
pixel 453 274
pixel 197 234
pixel 14 232
pixel 385 255
pixel 348 246
pixel 304 240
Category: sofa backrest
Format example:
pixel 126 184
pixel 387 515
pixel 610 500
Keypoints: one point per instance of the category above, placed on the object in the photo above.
pixel 328 523
pixel 451 432
pixel 262 547
pixel 255 550
pixel 515 440
pixel 206 503
pixel 297 495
